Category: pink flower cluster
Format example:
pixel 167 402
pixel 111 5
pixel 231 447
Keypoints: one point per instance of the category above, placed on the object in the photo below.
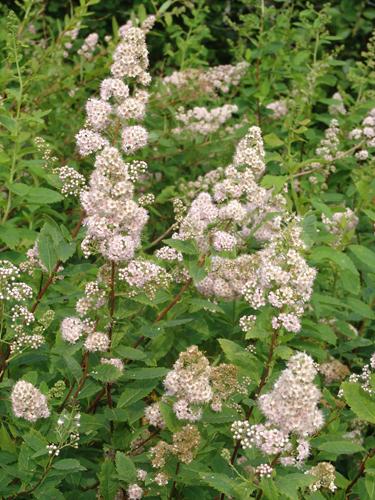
pixel 114 220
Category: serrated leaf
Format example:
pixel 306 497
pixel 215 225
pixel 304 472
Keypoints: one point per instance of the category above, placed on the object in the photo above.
pixel 290 484
pixel 106 373
pixel 364 255
pixel 340 447
pixel 108 485
pixel 272 140
pixel 359 401
pixel 145 373
pixel 125 468
pixel 169 417
pixel 187 247
pixel 133 394
pixel 68 464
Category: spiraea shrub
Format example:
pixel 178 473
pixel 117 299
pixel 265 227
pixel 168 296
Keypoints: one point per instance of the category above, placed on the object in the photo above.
pixel 187 268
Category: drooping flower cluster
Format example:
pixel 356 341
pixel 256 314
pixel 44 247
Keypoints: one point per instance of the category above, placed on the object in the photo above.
pixel 200 120
pixel 290 409
pixel 28 402
pixel 218 78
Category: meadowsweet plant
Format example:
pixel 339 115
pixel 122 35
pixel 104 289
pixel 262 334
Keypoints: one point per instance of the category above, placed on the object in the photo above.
pixel 188 260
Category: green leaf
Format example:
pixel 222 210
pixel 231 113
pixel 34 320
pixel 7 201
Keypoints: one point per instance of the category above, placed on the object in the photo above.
pixel 125 468
pixel 145 373
pixel 272 141
pixel 41 196
pixel 130 352
pixel 360 308
pixel 349 273
pixel 359 401
pixel 182 246
pixel 275 182
pixel 364 255
pixel 6 442
pixel 370 485
pixel 65 250
pixel 340 447
pixel 289 484
pixel 135 392
pixel 108 485
pixel 46 247
pixel 241 358
pixel 230 487
pixel 169 417
pixel 106 373
pixel 269 488
pixel 68 464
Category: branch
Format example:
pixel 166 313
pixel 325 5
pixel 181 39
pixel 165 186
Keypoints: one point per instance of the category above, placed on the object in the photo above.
pixel 361 470
pixel 262 383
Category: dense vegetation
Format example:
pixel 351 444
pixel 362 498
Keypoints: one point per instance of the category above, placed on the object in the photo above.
pixel 187 270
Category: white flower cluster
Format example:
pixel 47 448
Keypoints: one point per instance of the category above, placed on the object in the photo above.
pixel 73 328
pixel 235 202
pixel 291 410
pixel 116 362
pixel 28 402
pixel 73 182
pixel 267 438
pixel 153 416
pixel 364 378
pixel 365 133
pixel 218 78
pixel 263 470
pixel 292 404
pixel 339 107
pixel 341 225
pixel 168 254
pixel 134 492
pixel 88 47
pixel 70 35
pixel 278 108
pixel 232 209
pixel 10 288
pixel 193 383
pixel 144 275
pixel 202 121
pixel 328 150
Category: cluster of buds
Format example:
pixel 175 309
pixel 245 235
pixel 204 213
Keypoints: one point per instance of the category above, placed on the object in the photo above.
pixel 184 446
